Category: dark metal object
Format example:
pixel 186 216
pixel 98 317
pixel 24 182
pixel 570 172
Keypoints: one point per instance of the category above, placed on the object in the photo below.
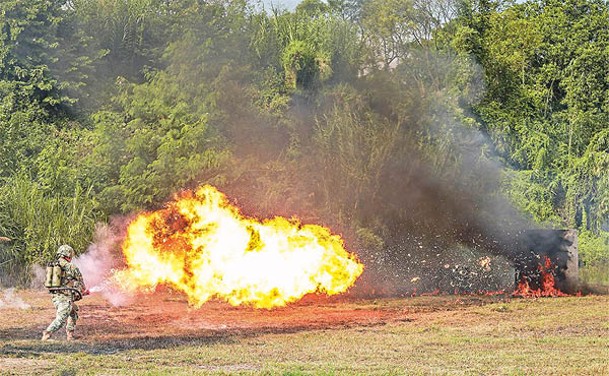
pixel 71 289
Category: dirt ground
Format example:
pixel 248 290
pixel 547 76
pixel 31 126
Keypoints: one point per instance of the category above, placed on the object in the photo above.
pixel 163 321
pixel 167 312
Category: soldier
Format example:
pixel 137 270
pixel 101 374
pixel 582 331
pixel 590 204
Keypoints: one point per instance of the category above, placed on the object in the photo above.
pixel 64 297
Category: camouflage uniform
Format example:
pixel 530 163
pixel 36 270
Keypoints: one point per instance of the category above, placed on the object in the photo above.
pixel 67 310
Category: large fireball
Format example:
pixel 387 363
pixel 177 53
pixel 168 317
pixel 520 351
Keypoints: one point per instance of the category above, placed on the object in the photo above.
pixel 203 246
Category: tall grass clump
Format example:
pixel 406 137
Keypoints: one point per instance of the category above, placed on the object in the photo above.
pixel 38 222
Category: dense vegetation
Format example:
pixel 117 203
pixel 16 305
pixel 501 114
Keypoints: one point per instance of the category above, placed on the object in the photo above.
pixel 386 119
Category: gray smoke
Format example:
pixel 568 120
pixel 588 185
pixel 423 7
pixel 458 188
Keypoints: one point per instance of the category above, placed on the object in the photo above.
pixel 38 274
pixel 8 299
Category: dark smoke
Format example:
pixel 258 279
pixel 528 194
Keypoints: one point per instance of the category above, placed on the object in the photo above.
pixel 448 226
pixel 434 214
pixel 437 213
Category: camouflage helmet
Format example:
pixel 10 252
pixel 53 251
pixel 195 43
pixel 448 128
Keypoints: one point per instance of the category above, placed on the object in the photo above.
pixel 65 251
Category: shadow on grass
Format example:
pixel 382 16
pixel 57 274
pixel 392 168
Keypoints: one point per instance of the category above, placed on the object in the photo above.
pixel 26 341
pixel 31 344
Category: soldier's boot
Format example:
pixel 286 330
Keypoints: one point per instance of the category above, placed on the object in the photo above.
pixel 45 336
pixel 70 335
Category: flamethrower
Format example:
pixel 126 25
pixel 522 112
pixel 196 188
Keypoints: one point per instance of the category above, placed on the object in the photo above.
pixel 77 293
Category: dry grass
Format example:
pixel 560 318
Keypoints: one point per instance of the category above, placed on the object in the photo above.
pixel 159 335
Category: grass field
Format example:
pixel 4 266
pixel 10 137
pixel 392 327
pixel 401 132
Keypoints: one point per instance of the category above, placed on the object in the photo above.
pixel 440 335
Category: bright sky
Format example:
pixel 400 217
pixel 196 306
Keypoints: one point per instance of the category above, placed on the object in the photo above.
pixel 281 4
pixel 291 4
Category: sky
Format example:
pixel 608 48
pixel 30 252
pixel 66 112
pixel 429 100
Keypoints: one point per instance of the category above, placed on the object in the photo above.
pixel 291 4
pixel 282 4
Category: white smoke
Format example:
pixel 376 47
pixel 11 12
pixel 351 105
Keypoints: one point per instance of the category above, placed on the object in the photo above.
pixel 8 299
pixel 98 263
pixel 38 274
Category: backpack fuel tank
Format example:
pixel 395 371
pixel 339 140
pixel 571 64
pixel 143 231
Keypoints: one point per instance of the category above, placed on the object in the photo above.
pixel 53 275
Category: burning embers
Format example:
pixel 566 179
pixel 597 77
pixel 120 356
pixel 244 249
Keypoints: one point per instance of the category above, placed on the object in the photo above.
pixel 539 284
pixel 204 247
pixel 550 266
pixel 536 263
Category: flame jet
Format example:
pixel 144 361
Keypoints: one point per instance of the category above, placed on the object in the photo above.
pixel 203 246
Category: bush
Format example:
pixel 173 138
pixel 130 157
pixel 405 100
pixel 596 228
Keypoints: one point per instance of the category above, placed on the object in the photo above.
pixel 38 223
pixel 593 249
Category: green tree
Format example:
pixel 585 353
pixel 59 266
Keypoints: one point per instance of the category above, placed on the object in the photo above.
pixel 132 32
pixel 308 48
pixel 44 59
pixel 545 105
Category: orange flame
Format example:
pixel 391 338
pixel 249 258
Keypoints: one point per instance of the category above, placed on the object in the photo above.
pixel 203 246
pixel 547 285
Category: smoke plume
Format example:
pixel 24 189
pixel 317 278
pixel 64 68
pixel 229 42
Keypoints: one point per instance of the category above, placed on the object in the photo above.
pixel 8 299
pixel 101 259
pixel 38 275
